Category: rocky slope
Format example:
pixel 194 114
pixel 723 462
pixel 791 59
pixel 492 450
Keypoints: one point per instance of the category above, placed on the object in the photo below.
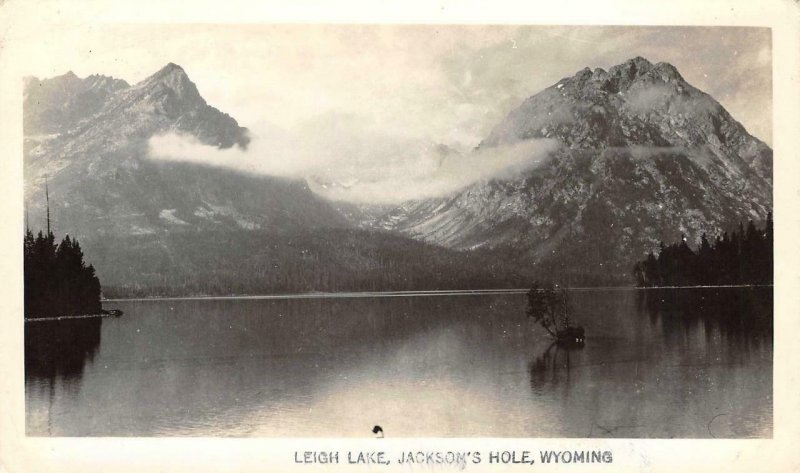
pixel 644 156
pixel 89 136
pixel 55 105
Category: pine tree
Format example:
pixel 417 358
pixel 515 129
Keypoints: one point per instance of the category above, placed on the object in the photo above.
pixel 57 281
pixel 745 256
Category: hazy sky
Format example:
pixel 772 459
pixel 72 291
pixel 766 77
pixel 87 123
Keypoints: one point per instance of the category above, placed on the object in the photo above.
pixel 401 84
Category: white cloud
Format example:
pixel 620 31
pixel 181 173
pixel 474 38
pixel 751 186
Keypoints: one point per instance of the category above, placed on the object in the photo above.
pixel 342 158
pixel 409 85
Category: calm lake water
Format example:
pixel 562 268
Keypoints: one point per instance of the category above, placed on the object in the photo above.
pixel 681 363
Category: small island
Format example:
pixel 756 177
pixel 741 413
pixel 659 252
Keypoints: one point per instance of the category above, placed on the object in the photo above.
pixel 548 306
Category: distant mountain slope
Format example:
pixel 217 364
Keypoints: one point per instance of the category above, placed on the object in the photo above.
pixel 58 104
pixel 89 136
pixel 167 228
pixel 644 156
pixel 283 262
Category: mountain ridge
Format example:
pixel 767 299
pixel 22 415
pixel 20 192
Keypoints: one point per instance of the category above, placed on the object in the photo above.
pixel 644 155
pixel 104 187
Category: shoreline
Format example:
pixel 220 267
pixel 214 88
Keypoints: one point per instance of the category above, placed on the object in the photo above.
pixel 427 293
pixel 66 317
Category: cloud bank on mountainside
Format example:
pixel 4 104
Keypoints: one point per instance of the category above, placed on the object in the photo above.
pixel 343 159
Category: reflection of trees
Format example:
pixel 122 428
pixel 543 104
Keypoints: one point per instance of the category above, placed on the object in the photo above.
pixel 60 348
pixel 550 365
pixel 736 313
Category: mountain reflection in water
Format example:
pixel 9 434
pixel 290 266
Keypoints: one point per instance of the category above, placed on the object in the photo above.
pixel 656 364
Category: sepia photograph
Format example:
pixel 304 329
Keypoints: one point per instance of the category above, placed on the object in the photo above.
pixel 462 245
pixel 520 231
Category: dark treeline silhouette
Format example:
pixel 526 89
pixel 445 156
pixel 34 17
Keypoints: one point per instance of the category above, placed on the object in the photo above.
pixel 57 281
pixel 743 257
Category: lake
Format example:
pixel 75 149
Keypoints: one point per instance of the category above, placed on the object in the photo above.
pixel 669 363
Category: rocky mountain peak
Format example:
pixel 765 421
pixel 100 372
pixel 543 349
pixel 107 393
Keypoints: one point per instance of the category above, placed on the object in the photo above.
pixel 171 83
pixel 169 72
pixel 67 83
pixel 93 144
pixel 620 78
pixel 668 72
pixel 104 123
pixel 644 157
pixel 57 104
pixel 632 68
pixel 636 103
pixel 97 81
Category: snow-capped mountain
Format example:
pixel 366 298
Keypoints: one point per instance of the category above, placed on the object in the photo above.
pixel 644 156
